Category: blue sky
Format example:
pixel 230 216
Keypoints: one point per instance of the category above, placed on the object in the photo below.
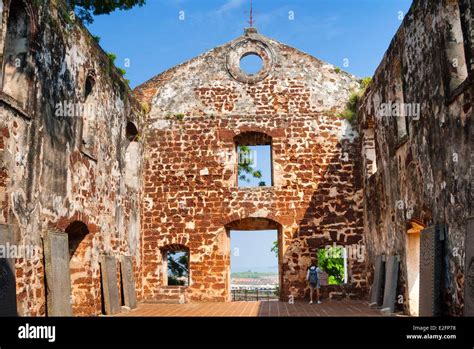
pixel 260 160
pixel 251 250
pixel 153 38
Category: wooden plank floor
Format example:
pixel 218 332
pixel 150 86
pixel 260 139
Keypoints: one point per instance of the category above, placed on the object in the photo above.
pixel 252 309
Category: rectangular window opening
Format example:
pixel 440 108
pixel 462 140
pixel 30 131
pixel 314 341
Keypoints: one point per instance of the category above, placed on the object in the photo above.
pixel 177 262
pixel 333 261
pixel 254 166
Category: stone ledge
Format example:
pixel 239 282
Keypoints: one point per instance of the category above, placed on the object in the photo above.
pixel 13 103
pixel 451 96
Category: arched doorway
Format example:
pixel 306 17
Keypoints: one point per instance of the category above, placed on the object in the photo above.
pixel 80 271
pixel 251 227
pixel 413 266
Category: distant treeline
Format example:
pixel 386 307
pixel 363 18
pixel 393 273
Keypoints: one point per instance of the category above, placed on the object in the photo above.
pixel 251 275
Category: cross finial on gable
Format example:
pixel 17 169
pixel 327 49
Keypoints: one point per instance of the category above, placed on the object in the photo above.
pixel 251 21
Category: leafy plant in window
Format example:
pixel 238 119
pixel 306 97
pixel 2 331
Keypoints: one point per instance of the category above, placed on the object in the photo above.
pixel 246 166
pixel 177 268
pixel 274 248
pixel 331 260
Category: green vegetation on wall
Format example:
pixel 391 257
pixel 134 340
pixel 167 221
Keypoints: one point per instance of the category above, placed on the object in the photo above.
pixel 350 113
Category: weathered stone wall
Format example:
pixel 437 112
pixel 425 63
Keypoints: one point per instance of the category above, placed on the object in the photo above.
pixel 190 188
pixel 422 169
pixel 71 156
pixel 63 166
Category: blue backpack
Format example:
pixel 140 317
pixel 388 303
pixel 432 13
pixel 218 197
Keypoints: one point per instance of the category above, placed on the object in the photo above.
pixel 313 275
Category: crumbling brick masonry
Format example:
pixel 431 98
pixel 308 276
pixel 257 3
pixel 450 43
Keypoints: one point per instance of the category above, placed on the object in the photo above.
pixel 198 111
pixel 65 157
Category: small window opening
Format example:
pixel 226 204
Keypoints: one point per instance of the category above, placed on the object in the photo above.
pixel 370 153
pixel 90 82
pixel 398 110
pixel 77 231
pixel 251 64
pixel 333 261
pixel 177 267
pixel 254 160
pixel 131 132
pixel 89 122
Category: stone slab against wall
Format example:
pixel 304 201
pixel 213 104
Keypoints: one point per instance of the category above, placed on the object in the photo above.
pixel 430 270
pixel 128 282
pixel 392 267
pixel 108 270
pixel 58 278
pixel 376 292
pixel 469 275
pixel 7 275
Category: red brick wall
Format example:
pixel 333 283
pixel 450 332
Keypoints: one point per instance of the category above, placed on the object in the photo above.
pixel 316 195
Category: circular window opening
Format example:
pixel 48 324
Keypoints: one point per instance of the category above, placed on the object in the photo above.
pixel 251 64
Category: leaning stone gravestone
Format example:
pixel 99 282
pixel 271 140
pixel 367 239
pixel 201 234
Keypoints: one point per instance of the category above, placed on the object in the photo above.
pixel 391 282
pixel 469 274
pixel 58 278
pixel 7 275
pixel 108 269
pixel 323 279
pixel 376 292
pixel 128 282
pixel 430 270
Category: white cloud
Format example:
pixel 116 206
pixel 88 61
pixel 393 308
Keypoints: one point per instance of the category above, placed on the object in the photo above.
pixel 231 5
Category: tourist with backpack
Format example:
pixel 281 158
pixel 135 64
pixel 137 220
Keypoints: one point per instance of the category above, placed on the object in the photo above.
pixel 312 276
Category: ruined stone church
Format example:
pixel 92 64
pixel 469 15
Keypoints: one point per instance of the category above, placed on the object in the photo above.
pixel 99 183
